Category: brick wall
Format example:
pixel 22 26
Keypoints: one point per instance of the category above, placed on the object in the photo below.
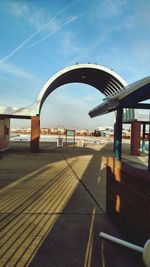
pixel 128 199
pixel 4 133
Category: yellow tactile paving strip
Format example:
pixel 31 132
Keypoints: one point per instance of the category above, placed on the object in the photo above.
pixel 30 206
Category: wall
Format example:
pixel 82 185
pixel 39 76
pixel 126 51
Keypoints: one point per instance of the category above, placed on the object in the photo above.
pixel 128 199
pixel 4 133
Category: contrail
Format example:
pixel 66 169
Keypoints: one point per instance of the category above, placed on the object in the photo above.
pixel 51 33
pixel 36 32
pixel 18 47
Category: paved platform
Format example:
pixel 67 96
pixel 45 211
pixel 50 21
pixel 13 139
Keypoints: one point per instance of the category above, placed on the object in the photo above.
pixel 52 208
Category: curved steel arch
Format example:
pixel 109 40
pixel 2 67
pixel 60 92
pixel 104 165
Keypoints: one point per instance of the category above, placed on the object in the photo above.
pixel 105 80
pixel 95 75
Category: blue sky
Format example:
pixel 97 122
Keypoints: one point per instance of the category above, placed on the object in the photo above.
pixel 39 38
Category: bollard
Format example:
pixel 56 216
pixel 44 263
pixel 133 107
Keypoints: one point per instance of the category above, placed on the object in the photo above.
pixel 144 250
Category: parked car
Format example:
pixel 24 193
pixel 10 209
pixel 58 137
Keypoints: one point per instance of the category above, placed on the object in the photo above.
pixel 19 139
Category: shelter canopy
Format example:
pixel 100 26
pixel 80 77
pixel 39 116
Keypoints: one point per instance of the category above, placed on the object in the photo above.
pixel 130 97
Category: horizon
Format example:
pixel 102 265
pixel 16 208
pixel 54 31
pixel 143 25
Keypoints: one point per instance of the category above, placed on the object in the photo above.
pixel 39 39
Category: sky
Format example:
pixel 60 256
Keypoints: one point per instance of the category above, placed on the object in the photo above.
pixel 39 38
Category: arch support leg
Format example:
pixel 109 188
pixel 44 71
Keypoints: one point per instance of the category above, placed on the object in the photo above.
pixel 35 134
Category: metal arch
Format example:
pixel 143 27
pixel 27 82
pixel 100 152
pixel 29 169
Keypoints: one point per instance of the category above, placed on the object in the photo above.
pixel 111 88
pixel 112 85
pixel 104 79
pixel 117 87
pixel 60 78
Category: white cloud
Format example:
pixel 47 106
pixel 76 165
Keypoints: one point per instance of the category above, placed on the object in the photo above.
pixel 82 53
pixel 68 44
pixel 58 27
pixel 52 25
pixel 107 9
pixel 17 86
pixel 141 51
pixel 27 11
pixel 139 16
pixel 131 60
pixel 14 70
pixel 17 8
pixel 113 8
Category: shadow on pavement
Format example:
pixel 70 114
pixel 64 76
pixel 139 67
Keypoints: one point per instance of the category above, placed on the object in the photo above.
pixel 52 215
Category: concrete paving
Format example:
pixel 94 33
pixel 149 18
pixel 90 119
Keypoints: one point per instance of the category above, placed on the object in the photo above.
pixel 53 207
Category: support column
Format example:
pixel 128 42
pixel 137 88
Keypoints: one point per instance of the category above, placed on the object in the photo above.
pixel 149 148
pixel 114 136
pixel 135 138
pixel 143 138
pixel 35 134
pixel 118 134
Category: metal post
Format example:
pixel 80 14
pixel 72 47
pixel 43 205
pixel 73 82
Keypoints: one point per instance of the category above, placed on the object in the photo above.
pixel 143 139
pixel 118 134
pixel 149 146
pixel 114 136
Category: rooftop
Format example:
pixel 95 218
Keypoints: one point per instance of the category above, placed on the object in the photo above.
pixel 53 208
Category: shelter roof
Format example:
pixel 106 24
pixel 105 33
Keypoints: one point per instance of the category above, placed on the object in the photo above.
pixel 126 98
